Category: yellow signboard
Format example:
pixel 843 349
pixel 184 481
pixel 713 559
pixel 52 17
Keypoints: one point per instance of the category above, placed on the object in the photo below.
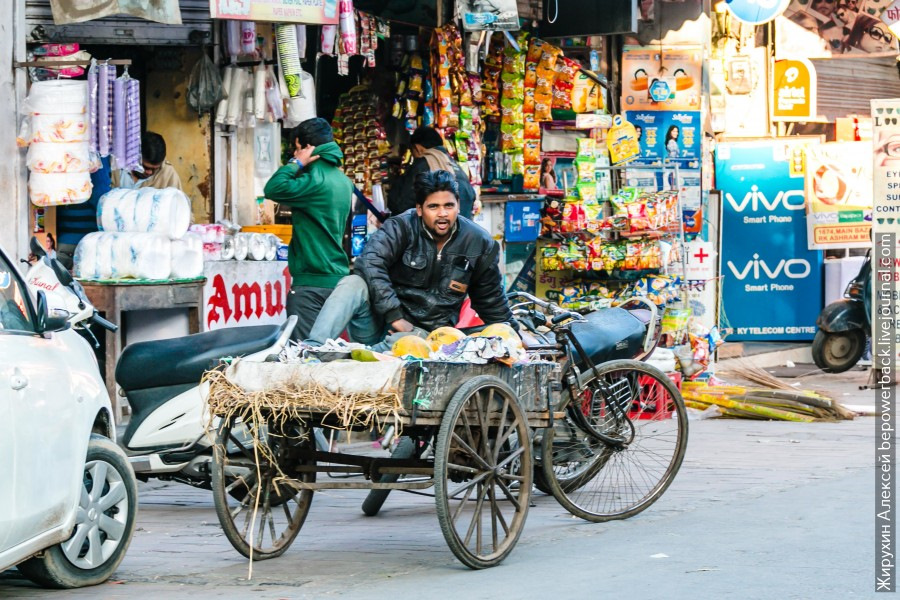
pixel 794 90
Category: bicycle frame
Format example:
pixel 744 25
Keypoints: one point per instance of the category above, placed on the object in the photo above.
pixel 571 376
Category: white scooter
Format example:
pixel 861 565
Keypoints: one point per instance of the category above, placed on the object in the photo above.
pixel 166 436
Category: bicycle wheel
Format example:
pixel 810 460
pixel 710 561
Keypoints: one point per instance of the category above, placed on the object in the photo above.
pixel 577 456
pixel 260 513
pixel 632 402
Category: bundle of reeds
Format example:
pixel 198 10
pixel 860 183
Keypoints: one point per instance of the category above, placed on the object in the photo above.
pixel 764 403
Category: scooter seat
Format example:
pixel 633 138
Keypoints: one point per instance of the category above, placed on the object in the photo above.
pixel 184 360
pixel 609 334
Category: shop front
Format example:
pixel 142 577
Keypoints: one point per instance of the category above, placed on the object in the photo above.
pixel 525 105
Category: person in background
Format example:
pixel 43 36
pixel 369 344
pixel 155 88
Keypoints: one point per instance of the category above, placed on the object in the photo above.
pixel 415 272
pixel 319 195
pixel 156 171
pixel 50 245
pixel 429 154
pixel 74 221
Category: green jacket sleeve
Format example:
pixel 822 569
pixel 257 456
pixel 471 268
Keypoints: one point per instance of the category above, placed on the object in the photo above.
pixel 290 184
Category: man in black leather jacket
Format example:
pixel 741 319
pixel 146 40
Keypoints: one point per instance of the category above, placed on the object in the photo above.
pixel 416 271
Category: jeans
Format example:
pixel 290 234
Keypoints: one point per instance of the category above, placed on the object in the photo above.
pixel 348 308
pixel 305 302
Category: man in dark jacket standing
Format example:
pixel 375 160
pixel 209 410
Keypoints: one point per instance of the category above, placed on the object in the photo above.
pixel 416 271
pixel 429 154
pixel 319 195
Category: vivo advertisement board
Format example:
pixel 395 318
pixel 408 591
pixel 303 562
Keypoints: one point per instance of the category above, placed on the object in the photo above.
pixel 771 281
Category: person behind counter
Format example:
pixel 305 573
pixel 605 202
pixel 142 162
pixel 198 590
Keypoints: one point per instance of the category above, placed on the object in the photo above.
pixel 415 272
pixel 74 221
pixel 429 154
pixel 156 171
pixel 319 195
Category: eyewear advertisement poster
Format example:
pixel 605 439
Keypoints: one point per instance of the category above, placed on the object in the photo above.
pixel 664 134
pixel 839 195
pixel 838 28
pixel 886 209
pixel 313 12
pixel 673 76
pixel 764 258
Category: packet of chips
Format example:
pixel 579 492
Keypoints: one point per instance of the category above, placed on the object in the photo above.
pixel 585 170
pixel 532 128
pixel 587 148
pixel 587 192
pixel 532 151
pixel 532 177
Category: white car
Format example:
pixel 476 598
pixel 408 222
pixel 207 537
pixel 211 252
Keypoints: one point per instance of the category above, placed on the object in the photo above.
pixel 68 497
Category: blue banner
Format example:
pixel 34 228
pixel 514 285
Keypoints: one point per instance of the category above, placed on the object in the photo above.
pixel 771 282
pixel 669 135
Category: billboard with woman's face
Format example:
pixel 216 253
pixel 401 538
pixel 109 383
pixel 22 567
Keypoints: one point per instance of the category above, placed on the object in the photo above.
pixel 839 28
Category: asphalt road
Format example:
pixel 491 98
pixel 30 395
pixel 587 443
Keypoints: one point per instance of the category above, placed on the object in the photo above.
pixel 759 510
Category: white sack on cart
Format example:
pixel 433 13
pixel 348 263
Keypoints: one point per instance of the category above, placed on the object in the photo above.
pixel 58 158
pixel 187 257
pixel 53 189
pixel 342 378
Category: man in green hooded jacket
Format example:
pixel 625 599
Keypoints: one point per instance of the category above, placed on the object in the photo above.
pixel 313 185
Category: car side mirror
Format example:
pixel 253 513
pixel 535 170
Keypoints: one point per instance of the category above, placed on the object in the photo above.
pixel 50 320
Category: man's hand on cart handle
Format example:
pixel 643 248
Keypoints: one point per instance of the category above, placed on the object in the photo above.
pixel 401 325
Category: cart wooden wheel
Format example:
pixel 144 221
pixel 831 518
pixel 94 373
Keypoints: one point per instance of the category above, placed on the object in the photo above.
pixel 483 472
pixel 260 513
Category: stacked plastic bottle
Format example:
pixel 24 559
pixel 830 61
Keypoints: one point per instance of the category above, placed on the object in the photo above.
pixel 56 133
pixel 143 235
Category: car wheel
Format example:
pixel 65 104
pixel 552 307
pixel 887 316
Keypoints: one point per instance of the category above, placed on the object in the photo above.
pixel 104 523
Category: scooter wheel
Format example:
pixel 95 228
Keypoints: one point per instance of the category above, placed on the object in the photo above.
pixel 839 351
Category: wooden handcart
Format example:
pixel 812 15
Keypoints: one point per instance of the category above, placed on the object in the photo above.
pixel 479 419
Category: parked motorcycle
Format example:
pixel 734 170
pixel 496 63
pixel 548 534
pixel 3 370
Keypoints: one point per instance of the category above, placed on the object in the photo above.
pixel 844 326
pixel 166 435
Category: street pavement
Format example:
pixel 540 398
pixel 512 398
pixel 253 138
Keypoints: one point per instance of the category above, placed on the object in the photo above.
pixel 759 510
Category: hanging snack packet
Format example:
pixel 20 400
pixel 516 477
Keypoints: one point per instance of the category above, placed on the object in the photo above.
pixel 632 256
pixel 637 217
pixel 585 170
pixel 530 74
pixel 587 148
pixel 535 50
pixel 528 106
pixel 566 69
pixel 532 177
pixel 587 192
pixel 532 151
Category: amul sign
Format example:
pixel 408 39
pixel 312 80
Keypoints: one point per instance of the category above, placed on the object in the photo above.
pixel 239 293
pixel 794 90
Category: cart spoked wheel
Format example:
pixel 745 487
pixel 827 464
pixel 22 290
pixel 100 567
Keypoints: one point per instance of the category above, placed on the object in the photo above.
pixel 482 472
pixel 259 512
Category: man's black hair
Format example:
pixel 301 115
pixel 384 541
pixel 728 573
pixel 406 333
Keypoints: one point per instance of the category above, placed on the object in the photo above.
pixel 312 132
pixel 153 148
pixel 427 137
pixel 429 182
